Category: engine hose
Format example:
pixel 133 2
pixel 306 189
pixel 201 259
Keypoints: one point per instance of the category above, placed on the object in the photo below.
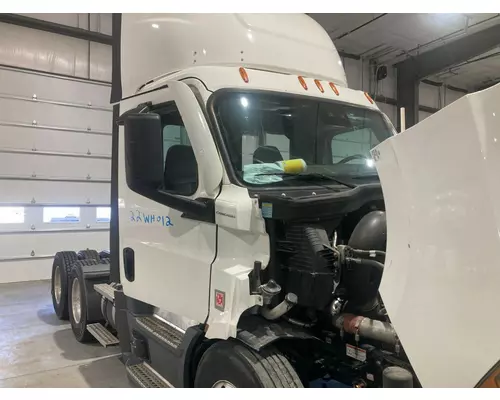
pixel 368 253
pixel 296 322
pixel 281 309
pixel 370 263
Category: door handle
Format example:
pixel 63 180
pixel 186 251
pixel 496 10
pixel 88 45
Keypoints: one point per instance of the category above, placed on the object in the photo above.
pixel 129 263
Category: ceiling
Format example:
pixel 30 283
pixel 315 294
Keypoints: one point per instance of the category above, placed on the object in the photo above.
pixel 390 38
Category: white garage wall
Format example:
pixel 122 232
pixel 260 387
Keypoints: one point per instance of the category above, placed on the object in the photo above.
pixel 429 95
pixel 50 52
pixel 98 22
pixel 436 97
pixel 359 77
pixel 449 96
pixel 55 147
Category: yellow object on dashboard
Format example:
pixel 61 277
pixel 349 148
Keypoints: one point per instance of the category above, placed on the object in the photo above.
pixel 295 166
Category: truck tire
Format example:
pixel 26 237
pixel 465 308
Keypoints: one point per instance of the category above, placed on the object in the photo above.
pixel 104 254
pixel 59 282
pixel 88 255
pixel 229 364
pixel 83 301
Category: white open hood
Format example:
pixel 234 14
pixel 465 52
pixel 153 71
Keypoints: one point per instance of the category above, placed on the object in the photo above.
pixel 441 284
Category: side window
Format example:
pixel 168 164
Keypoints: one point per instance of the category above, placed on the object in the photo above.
pixel 180 175
pixel 55 215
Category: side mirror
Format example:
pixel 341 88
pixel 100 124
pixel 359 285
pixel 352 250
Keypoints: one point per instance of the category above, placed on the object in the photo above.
pixel 143 150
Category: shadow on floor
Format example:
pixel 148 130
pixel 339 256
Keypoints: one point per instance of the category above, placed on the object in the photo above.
pixel 47 315
pixel 106 373
pixel 75 351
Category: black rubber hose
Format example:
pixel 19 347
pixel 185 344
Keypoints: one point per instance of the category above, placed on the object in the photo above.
pixel 368 253
pixel 296 322
pixel 369 263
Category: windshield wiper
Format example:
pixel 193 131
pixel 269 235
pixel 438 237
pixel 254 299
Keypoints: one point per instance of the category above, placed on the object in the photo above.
pixel 310 177
pixel 365 176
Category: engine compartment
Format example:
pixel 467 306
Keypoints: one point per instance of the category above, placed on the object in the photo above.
pixel 325 274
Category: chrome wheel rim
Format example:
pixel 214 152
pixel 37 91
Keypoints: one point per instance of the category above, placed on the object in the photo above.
pixel 57 284
pixel 76 306
pixel 223 385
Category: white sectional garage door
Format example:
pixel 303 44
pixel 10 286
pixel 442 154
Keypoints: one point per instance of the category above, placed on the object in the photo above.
pixel 55 165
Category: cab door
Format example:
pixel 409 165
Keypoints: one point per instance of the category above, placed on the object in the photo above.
pixel 169 176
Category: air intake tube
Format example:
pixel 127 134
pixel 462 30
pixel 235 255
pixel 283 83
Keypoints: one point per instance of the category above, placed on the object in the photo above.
pixel 362 277
pixel 281 309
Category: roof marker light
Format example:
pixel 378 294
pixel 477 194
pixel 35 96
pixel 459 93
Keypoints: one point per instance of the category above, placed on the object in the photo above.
pixel 319 85
pixel 244 75
pixel 334 88
pixel 303 82
pixel 369 98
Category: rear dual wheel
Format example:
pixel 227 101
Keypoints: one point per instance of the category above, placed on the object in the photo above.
pixel 80 299
pixel 88 254
pixel 59 283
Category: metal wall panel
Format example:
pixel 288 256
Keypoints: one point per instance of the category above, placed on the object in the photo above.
pixel 101 23
pixel 29 48
pixel 98 22
pixel 429 95
pixel 449 96
pixel 23 245
pixel 14 109
pixel 25 270
pixel 47 87
pixel 34 137
pixel 53 192
pixel 74 20
pixel 357 73
pixel 423 115
pixel 43 166
pixel 44 246
pixel 100 62
pixel 55 148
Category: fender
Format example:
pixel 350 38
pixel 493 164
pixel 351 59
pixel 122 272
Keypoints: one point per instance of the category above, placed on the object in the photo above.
pixel 257 333
pixel 94 271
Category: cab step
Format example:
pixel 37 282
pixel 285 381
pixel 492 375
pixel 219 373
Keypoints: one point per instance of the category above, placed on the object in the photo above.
pixel 161 330
pixel 105 290
pixel 145 376
pixel 103 336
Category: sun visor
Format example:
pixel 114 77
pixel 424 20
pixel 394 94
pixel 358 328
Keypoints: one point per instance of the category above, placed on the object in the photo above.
pixel 441 284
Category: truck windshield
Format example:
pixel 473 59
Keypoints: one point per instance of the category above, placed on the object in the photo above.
pixel 272 138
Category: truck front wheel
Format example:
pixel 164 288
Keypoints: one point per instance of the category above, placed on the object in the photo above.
pixel 229 364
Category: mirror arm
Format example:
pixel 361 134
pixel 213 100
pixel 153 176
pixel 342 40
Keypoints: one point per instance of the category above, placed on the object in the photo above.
pixel 200 209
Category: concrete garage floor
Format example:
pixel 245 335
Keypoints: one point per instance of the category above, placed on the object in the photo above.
pixel 38 350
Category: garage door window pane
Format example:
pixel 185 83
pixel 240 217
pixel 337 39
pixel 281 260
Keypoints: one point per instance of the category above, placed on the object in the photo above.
pixel 11 215
pixel 103 214
pixel 61 214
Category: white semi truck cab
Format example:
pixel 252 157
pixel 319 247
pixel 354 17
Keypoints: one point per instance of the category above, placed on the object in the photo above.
pixel 248 234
